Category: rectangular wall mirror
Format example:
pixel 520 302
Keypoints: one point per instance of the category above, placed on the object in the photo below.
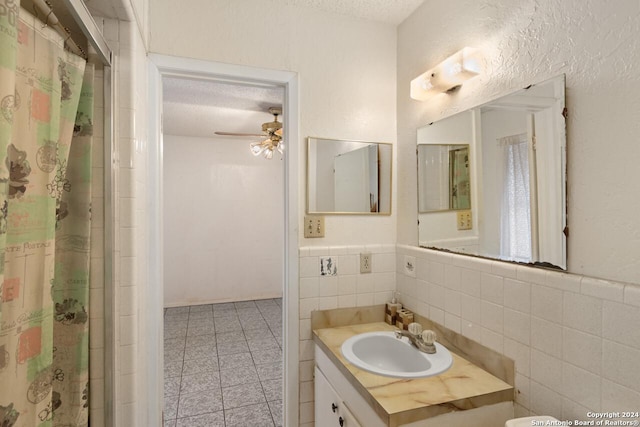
pixel 504 163
pixel 348 177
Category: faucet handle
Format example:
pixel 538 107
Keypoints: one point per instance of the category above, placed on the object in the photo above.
pixel 429 337
pixel 415 328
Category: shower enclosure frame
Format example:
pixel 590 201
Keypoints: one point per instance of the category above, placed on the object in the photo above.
pixel 92 32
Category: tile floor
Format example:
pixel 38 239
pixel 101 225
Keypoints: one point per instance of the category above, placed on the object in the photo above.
pixel 223 365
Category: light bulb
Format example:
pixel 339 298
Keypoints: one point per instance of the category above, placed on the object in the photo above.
pixel 256 148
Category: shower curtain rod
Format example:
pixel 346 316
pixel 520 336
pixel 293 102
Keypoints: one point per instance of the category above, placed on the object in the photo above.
pixel 52 20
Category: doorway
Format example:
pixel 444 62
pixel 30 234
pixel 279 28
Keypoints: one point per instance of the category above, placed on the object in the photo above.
pixel 160 69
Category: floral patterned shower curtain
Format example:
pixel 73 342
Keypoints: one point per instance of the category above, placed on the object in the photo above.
pixel 45 193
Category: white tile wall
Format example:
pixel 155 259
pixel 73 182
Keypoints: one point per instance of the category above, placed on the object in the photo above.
pixel 517 325
pixel 581 386
pixel 129 263
pixel 349 288
pixel 575 340
pixel 616 397
pixel 546 336
pixel 620 323
pixel 582 350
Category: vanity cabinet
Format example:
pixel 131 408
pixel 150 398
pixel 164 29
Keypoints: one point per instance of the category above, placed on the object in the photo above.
pixel 352 407
pixel 359 398
pixel 331 410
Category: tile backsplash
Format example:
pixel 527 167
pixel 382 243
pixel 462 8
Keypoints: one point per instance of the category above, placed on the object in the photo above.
pixel 330 277
pixel 328 285
pixel 575 340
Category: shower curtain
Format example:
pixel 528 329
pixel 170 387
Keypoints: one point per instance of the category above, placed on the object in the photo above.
pixel 46 106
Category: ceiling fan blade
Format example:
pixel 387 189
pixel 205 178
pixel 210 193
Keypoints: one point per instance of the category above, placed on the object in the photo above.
pixel 238 134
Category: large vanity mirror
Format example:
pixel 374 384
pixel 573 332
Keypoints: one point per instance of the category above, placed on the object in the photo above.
pixel 492 179
pixel 348 177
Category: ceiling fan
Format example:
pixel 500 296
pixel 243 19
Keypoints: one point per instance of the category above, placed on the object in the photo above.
pixel 271 130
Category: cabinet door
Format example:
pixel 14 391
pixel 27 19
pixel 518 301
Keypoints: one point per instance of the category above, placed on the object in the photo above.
pixel 348 420
pixel 326 402
pixel 330 409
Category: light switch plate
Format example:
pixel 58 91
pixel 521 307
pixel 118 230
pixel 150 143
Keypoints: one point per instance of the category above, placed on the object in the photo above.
pixel 313 226
pixel 464 220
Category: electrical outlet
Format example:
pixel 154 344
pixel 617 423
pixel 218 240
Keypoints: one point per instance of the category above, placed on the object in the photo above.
pixel 365 262
pixel 464 220
pixel 410 266
pixel 313 226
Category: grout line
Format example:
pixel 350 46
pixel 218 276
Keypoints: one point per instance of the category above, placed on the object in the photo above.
pixel 217 355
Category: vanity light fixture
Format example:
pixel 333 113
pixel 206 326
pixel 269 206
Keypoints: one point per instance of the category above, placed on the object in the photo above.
pixel 446 76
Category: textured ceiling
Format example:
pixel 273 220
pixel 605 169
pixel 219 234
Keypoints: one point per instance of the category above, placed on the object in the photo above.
pixel 200 107
pixel 229 95
pixel 389 11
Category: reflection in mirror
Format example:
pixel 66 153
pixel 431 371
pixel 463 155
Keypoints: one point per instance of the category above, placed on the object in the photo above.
pixel 443 180
pixel 515 176
pixel 348 177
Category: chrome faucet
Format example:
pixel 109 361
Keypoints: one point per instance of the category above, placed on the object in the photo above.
pixel 423 341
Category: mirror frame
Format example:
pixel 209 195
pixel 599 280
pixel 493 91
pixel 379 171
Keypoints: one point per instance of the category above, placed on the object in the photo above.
pixel 563 185
pixel 308 186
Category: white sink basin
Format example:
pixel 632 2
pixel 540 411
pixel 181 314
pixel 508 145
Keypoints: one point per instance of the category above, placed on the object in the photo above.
pixel 383 354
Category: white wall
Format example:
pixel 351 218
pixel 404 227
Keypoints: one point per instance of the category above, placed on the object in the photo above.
pixel 347 74
pixel 527 42
pixel 346 68
pixel 223 228
pixel 574 338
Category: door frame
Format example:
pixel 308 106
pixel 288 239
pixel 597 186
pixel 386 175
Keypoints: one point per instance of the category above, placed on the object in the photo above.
pixel 160 66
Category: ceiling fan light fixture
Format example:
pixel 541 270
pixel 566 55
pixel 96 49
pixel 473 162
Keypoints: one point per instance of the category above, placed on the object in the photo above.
pixel 273 133
pixel 257 148
pixel 274 141
pixel 272 127
pixel 266 148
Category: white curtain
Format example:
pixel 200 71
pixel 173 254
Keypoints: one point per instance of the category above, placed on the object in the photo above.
pixel 515 212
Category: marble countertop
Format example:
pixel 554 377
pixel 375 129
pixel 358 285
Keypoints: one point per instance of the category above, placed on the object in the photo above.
pixel 400 400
